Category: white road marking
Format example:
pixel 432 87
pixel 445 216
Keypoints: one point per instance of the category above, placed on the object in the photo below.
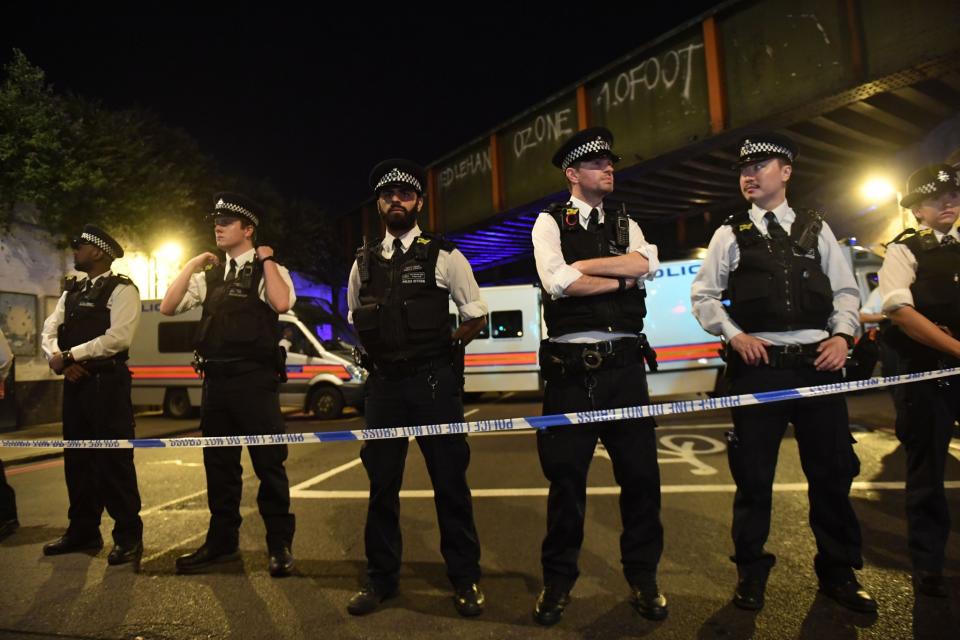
pixel 325 476
pixel 508 394
pixel 608 491
pixel 470 413
pixel 178 462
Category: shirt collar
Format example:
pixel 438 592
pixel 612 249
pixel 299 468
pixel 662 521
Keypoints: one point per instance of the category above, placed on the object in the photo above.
pixel 785 215
pixel 104 274
pixel 243 258
pixel 585 210
pixel 953 232
pixel 405 240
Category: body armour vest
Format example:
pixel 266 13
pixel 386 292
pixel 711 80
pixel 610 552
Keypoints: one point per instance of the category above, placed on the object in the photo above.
pixel 236 323
pixel 779 284
pixel 935 291
pixel 621 311
pixel 403 314
pixel 86 315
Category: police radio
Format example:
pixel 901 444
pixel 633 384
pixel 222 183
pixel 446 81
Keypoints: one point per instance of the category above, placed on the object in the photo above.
pixel 623 227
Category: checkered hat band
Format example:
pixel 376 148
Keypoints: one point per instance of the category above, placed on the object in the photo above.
pixel 99 244
pixel 235 208
pixel 395 175
pixel 753 148
pixel 587 147
pixel 936 185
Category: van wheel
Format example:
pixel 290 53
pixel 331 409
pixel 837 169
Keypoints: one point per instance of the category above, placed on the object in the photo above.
pixel 176 404
pixel 326 403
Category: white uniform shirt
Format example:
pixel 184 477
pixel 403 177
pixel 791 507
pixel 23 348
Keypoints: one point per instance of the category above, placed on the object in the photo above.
pixel 898 272
pixel 124 306
pixel 197 287
pixel 556 275
pixel 723 257
pixel 453 273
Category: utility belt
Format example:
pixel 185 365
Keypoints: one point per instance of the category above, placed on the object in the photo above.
pixel 788 356
pixel 227 368
pixel 103 365
pixel 403 368
pixel 561 359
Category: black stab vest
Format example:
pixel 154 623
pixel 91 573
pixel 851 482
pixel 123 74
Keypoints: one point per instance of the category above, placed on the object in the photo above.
pixel 620 311
pixel 86 315
pixel 236 323
pixel 935 291
pixel 403 315
pixel 779 285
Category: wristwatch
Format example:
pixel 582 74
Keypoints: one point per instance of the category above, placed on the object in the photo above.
pixel 847 337
pixel 67 358
pixel 268 258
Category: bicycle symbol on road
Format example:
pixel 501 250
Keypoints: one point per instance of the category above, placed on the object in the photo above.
pixel 684 449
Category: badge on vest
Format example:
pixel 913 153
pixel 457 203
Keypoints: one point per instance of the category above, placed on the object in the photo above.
pixel 413 274
pixel 746 226
pixel 615 248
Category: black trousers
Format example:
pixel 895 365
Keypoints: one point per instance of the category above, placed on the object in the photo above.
pixel 98 407
pixel 565 455
pixel 413 401
pixel 8 498
pixel 245 405
pixel 823 436
pixel 926 413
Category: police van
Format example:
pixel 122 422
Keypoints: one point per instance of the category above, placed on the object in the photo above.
pixel 161 356
pixel 504 356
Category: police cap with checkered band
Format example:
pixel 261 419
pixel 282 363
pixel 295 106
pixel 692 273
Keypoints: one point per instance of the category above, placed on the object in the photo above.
pixel 236 205
pixel 595 142
pixel 398 172
pixel 930 182
pixel 99 238
pixel 761 146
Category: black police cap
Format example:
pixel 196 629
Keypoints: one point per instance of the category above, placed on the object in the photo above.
pixel 237 205
pixel 398 172
pixel 100 239
pixel 761 146
pixel 595 142
pixel 930 182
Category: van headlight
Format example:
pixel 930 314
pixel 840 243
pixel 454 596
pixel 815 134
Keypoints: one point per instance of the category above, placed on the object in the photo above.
pixel 357 373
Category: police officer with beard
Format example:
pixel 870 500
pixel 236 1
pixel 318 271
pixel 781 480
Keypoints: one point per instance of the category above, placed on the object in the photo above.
pixel 238 345
pixel 399 291
pixel 592 262
pixel 791 318
pixel 86 339
pixel 921 296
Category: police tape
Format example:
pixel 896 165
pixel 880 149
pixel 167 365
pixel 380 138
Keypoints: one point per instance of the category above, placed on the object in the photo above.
pixel 497 425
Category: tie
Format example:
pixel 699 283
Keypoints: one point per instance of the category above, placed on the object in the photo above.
pixel 594 222
pixel 397 249
pixel 232 273
pixel 773 227
pixel 947 240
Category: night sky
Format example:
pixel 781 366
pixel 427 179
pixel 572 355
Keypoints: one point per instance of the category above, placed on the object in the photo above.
pixel 311 102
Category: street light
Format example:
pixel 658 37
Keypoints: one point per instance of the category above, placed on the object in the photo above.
pixel 166 257
pixel 877 190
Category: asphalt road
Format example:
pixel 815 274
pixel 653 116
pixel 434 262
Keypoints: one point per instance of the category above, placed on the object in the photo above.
pixel 80 596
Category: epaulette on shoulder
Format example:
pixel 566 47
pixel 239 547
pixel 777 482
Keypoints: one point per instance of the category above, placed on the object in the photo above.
pixel 445 244
pixel 124 279
pixel 566 215
pixel 740 221
pixel 903 236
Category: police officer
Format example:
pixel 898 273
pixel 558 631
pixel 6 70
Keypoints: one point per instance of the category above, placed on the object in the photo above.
pixel 592 263
pixel 791 320
pixel 8 498
pixel 399 291
pixel 86 339
pixel 920 293
pixel 237 342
